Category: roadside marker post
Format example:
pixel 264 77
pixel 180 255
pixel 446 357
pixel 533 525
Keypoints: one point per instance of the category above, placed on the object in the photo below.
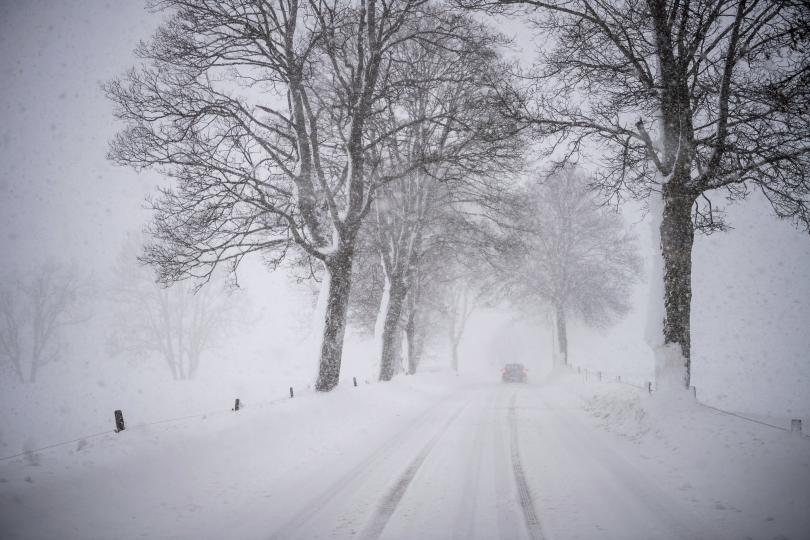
pixel 119 421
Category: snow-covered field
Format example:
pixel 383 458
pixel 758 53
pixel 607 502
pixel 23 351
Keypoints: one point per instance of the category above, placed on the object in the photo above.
pixel 430 456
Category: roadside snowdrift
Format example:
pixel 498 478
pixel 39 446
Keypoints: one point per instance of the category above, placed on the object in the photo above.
pixel 754 479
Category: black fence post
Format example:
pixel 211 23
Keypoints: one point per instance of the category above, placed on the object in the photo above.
pixel 649 387
pixel 291 392
pixel 236 405
pixel 354 380
pixel 119 421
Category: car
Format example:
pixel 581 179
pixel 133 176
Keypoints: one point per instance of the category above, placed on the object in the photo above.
pixel 514 373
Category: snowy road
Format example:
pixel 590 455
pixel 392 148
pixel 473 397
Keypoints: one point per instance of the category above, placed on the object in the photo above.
pixel 496 462
pixel 467 460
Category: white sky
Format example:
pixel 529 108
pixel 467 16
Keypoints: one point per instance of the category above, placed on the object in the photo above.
pixel 59 196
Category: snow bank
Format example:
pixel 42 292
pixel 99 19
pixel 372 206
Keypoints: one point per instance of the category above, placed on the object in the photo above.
pixel 750 314
pixel 754 479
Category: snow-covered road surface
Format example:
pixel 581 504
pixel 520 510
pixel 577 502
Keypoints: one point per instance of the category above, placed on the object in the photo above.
pixel 469 481
pixel 467 460
pixel 454 472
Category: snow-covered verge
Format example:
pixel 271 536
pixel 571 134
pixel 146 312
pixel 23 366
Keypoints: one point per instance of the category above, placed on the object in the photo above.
pixel 750 479
pixel 750 314
pixel 198 478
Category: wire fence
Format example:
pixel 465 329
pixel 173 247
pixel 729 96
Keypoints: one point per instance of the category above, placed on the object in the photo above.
pixel 55 445
pixel 216 412
pixel 649 386
pixel 635 381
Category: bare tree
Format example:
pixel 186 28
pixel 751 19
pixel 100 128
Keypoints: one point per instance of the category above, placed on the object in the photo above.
pixel 681 102
pixel 456 277
pixel 566 251
pixel 417 321
pixel 443 280
pixel 262 112
pixel 33 311
pixel 462 302
pixel 175 322
pixel 451 78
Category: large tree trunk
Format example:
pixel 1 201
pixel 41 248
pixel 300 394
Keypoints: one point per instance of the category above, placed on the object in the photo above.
pixel 339 270
pixel 411 337
pixel 677 238
pixel 562 335
pixel 390 331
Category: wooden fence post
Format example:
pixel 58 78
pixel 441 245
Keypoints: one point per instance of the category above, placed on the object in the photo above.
pixel 236 405
pixel 796 426
pixel 119 421
pixel 354 380
pixel 291 392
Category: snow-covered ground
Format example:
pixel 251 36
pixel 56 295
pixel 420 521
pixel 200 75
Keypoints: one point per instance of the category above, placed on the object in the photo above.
pixel 430 456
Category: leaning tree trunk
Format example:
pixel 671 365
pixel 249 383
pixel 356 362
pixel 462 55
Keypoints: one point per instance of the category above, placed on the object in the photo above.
pixel 390 331
pixel 339 270
pixel 562 334
pixel 677 238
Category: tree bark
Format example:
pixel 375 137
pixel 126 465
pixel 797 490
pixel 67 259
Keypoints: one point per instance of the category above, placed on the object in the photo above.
pixel 410 335
pixel 339 268
pixel 562 333
pixel 390 331
pixel 677 238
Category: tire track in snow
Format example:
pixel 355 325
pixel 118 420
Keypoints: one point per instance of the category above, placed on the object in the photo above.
pixel 389 503
pixel 465 519
pixel 526 503
pixel 292 527
pixel 508 515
